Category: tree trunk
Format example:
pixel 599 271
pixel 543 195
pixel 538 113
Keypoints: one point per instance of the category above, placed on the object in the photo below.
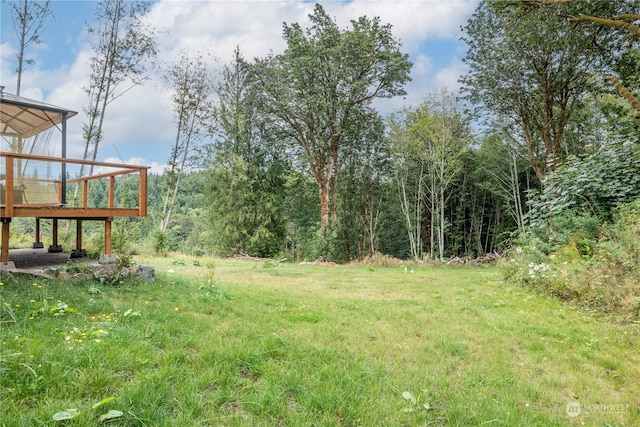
pixel 531 153
pixel 21 42
pixel 334 188
pixel 323 190
pixel 404 207
pixel 434 217
pixel 441 232
pixel 515 191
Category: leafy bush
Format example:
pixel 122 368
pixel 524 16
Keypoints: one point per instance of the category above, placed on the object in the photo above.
pixel 581 261
pixel 160 242
pixel 595 184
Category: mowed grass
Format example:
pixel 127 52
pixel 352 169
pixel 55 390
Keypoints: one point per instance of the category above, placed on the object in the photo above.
pixel 244 343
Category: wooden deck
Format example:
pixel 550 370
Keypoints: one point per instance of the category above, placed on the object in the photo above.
pixel 14 204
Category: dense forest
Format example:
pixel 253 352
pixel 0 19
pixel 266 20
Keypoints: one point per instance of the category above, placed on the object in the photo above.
pixel 300 165
pixel 285 155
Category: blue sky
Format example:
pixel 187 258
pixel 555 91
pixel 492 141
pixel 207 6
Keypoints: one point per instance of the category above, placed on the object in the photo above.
pixel 139 126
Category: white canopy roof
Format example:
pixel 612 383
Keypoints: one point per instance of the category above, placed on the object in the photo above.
pixel 24 117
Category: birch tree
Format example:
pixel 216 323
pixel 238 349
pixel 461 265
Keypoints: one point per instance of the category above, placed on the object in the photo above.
pixel 500 161
pixel 427 143
pixel 409 174
pixel 123 44
pixel 190 80
pixel 442 132
pixel 29 22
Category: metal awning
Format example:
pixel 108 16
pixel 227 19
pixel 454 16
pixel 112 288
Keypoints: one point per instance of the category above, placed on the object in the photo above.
pixel 24 117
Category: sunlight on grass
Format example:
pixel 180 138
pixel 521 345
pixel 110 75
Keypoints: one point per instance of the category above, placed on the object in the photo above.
pixel 241 343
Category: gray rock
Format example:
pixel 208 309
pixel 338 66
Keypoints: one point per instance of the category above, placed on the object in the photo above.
pixel 146 272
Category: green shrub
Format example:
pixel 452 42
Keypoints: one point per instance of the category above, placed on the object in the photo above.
pixel 582 261
pixel 160 242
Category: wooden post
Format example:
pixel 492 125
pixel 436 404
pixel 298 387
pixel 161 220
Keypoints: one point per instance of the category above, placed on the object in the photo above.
pixel 8 192
pixel 37 244
pixel 8 210
pixel 107 237
pixel 78 252
pixel 54 245
pixel 111 192
pixel 78 234
pixel 4 251
pixel 142 197
pixel 59 191
pixel 85 193
pixel 55 232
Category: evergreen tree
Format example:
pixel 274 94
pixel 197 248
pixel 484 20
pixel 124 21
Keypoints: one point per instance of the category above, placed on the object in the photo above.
pixel 246 187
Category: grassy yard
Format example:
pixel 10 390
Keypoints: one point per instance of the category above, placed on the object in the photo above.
pixel 243 343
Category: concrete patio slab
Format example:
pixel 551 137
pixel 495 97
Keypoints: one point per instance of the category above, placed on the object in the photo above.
pixel 37 259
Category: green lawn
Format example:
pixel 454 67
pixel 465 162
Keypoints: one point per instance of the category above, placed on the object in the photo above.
pixel 244 343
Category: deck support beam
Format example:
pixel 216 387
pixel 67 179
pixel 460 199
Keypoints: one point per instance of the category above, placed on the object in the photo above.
pixel 54 232
pixel 78 252
pixel 107 236
pixel 4 251
pixel 37 244
pixel 78 234
pixel 107 257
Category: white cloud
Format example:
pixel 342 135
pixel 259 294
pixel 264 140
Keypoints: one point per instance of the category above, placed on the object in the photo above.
pixel 7 53
pixel 422 74
pixel 448 76
pixel 412 21
pixel 221 26
pixel 140 124
pixel 155 167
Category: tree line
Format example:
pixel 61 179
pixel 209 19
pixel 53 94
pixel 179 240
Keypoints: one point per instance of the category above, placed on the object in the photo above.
pixel 285 155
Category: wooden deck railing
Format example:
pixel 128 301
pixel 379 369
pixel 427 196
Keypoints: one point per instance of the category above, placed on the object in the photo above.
pixel 12 193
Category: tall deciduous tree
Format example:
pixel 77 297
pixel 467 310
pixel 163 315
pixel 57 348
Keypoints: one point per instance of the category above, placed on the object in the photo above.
pixel 626 22
pixel 123 43
pixel 500 169
pixel 628 25
pixel 408 168
pixel 312 90
pixel 190 80
pixel 531 70
pixel 29 19
pixel 444 133
pixel 427 150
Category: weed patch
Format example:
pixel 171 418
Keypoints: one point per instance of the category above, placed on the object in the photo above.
pixel 594 268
